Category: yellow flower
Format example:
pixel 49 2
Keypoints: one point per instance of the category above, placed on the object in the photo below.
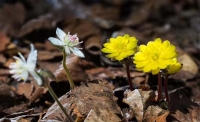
pixel 120 47
pixel 174 67
pixel 154 56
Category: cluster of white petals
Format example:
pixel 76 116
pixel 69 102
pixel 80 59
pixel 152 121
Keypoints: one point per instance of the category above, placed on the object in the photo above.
pixel 21 68
pixel 66 42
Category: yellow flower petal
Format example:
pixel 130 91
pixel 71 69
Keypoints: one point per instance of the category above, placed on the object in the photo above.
pixel 120 47
pixel 142 48
pixel 139 56
pixel 174 67
pixel 106 50
pixel 156 71
pixel 155 56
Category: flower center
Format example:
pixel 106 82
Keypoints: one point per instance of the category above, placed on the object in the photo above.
pixel 121 47
pixel 155 57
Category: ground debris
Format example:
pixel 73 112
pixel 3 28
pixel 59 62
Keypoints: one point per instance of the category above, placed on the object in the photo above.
pixel 142 105
pixel 95 97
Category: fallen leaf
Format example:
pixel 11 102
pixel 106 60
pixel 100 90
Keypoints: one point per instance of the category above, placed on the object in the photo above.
pixel 101 115
pixel 188 64
pixel 2 59
pixel 48 55
pixel 12 18
pixel 23 88
pixel 189 69
pixel 104 12
pixel 176 101
pixel 7 96
pixel 48 65
pixel 4 41
pixel 83 28
pixel 27 115
pixel 155 114
pixel 75 67
pixel 141 14
pixel 191 116
pixel 138 102
pixel 4 73
pixel 48 46
pixel 93 45
pixel 94 95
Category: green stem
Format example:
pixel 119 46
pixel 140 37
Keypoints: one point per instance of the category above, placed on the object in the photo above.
pixel 166 88
pixel 159 87
pixel 67 71
pixel 58 102
pixel 129 76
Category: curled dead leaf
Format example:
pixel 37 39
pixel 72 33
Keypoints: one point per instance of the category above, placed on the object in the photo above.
pixel 93 45
pixel 101 115
pixel 138 101
pixel 94 95
pixel 155 114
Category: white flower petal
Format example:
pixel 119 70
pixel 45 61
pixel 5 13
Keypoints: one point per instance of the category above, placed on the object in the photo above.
pixel 56 41
pixel 13 66
pixel 19 59
pixel 36 77
pixel 22 57
pixel 67 50
pixel 24 76
pixel 13 71
pixel 21 76
pixel 32 58
pixel 16 76
pixel 77 52
pixel 61 34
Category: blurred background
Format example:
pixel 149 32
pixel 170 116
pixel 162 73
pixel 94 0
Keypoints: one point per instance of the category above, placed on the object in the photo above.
pixel 23 22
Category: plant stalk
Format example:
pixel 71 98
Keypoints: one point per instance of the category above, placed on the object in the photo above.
pixel 129 76
pixel 159 87
pixel 166 88
pixel 58 102
pixel 67 71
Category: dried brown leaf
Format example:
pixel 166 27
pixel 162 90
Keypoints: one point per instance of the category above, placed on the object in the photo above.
pixel 83 28
pixel 189 69
pixel 105 12
pixel 48 46
pixel 4 73
pixel 155 114
pixel 45 21
pixel 100 115
pixel 12 18
pixel 191 116
pixel 4 41
pixel 176 101
pixel 142 14
pixel 112 73
pixel 2 59
pixel 25 114
pixel 93 45
pixel 94 95
pixel 47 55
pixel 75 67
pixel 23 88
pixel 138 101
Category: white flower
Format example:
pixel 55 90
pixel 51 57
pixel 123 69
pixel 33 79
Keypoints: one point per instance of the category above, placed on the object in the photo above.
pixel 66 42
pixel 21 67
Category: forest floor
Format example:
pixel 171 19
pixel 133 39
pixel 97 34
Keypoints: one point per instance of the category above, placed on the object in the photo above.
pixel 100 83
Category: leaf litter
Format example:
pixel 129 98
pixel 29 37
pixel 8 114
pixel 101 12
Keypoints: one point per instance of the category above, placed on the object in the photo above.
pixel 25 22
